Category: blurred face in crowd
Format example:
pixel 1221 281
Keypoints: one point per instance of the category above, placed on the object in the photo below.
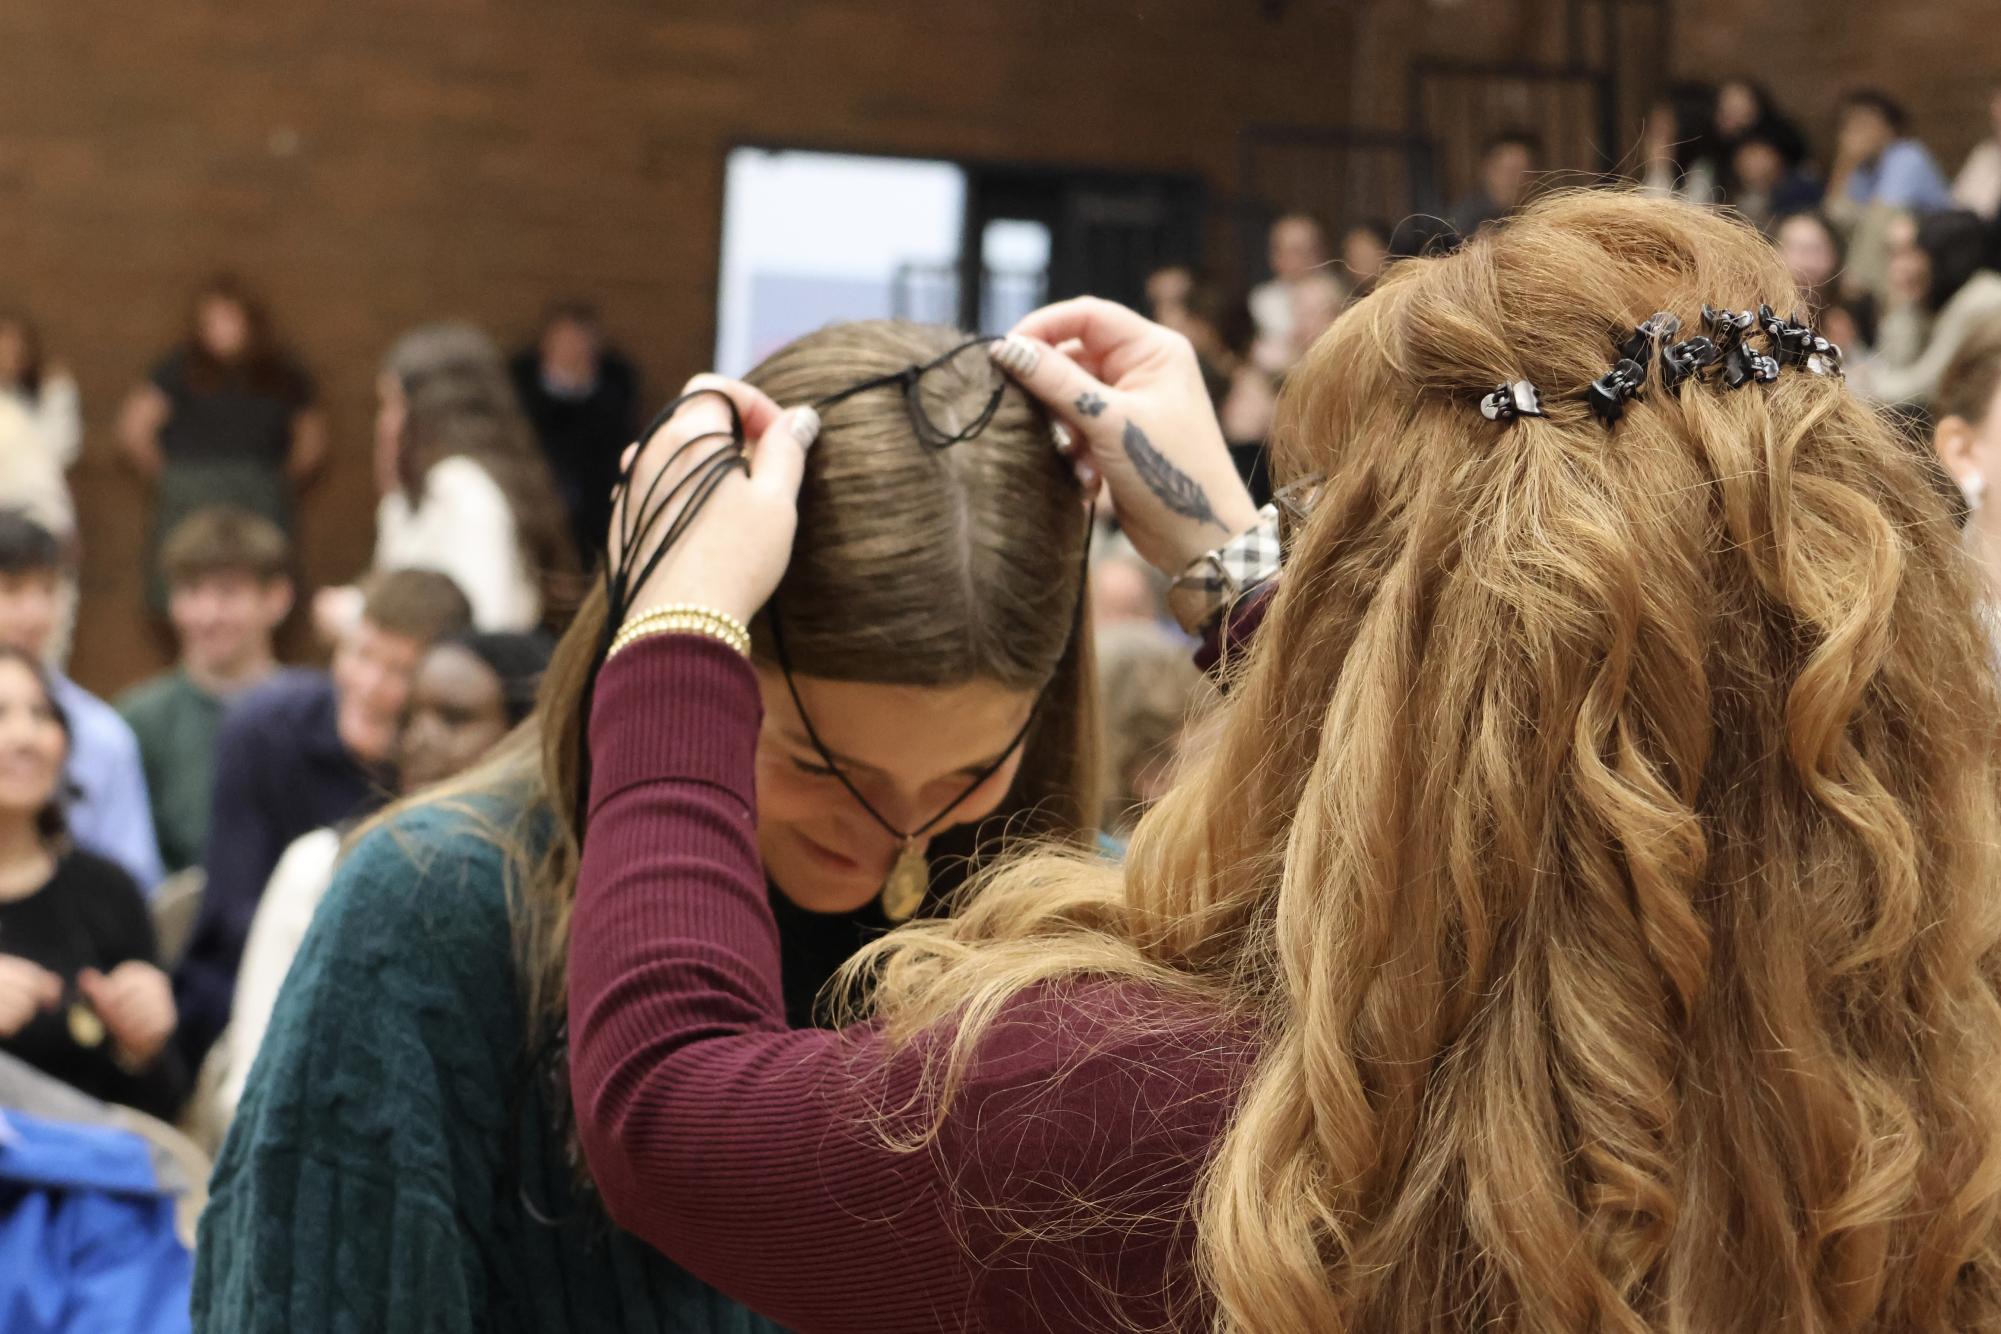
pixel 29 602
pixel 224 327
pixel 224 620
pixel 1864 133
pixel 1910 268
pixel 458 712
pixel 1758 165
pixel 570 351
pixel 1363 253
pixel 1167 292
pixel 1297 248
pixel 1808 250
pixel 13 352
pixel 911 750
pixel 1505 173
pixel 1737 108
pixel 32 744
pixel 372 669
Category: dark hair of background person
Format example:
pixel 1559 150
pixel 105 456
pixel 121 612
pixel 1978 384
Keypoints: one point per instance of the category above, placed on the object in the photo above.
pixel 26 547
pixel 572 310
pixel 225 539
pixel 1957 243
pixel 418 604
pixel 1692 103
pixel 31 344
pixel 478 417
pixel 1226 311
pixel 1880 102
pixel 50 822
pixel 518 660
pixel 1772 124
pixel 263 366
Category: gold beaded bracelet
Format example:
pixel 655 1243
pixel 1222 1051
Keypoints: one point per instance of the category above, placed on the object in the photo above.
pixel 683 618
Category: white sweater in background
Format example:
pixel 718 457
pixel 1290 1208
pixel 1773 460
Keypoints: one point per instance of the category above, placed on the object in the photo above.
pixel 57 413
pixel 464 528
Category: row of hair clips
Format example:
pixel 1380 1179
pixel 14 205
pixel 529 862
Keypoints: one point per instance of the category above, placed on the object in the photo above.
pixel 1721 352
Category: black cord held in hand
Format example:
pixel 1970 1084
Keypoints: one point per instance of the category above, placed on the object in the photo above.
pixel 636 526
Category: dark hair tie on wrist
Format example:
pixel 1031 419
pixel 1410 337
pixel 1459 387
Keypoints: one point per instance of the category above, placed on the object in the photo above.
pixel 1512 400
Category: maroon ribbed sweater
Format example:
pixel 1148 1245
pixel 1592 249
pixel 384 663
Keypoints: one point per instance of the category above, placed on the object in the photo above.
pixel 1057 1196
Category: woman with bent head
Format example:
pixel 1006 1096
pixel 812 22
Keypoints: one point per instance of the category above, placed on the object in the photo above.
pixel 1584 920
pixel 408 1100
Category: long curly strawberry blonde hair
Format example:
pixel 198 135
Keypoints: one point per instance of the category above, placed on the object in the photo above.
pixel 1603 836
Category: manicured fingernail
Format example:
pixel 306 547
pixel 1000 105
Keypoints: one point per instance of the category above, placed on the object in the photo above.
pixel 1015 354
pixel 805 426
pixel 1062 436
pixel 1087 476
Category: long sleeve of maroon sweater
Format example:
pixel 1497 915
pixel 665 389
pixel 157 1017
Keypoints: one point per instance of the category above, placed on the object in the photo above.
pixel 1057 1196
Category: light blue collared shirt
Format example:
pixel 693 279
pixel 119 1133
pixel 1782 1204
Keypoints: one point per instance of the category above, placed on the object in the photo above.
pixel 1903 176
pixel 111 815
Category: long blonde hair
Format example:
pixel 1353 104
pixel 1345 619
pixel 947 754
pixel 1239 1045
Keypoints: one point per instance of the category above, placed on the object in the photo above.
pixel 1602 839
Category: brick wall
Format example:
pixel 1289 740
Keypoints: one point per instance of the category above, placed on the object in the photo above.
pixel 372 165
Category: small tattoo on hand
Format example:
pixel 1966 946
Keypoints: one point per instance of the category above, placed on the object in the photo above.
pixel 1091 405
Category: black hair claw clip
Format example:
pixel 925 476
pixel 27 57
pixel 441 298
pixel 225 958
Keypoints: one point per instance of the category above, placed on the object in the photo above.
pixel 1687 360
pixel 1509 401
pixel 1795 343
pixel 1607 394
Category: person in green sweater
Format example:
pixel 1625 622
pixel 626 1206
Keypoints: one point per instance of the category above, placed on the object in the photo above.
pixel 404 1155
pixel 229 587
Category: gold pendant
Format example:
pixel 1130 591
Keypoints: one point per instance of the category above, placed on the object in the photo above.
pixel 909 880
pixel 85 1026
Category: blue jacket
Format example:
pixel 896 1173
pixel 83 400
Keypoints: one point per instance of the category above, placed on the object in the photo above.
pixel 87 1241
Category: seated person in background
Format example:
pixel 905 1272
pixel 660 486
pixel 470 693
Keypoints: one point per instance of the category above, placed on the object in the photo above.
pixel 110 814
pixel 300 752
pixel 1878 173
pixel 229 587
pixel 466 492
pixel 80 995
pixel 582 396
pixel 469 691
pixel 1365 253
pixel 1941 289
pixel 1812 253
pixel 1507 165
pixel 1151 696
pixel 1764 185
pixel 1297 252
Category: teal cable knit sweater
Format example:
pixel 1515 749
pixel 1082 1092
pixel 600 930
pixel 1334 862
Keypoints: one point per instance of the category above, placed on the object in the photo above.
pixel 374 1175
